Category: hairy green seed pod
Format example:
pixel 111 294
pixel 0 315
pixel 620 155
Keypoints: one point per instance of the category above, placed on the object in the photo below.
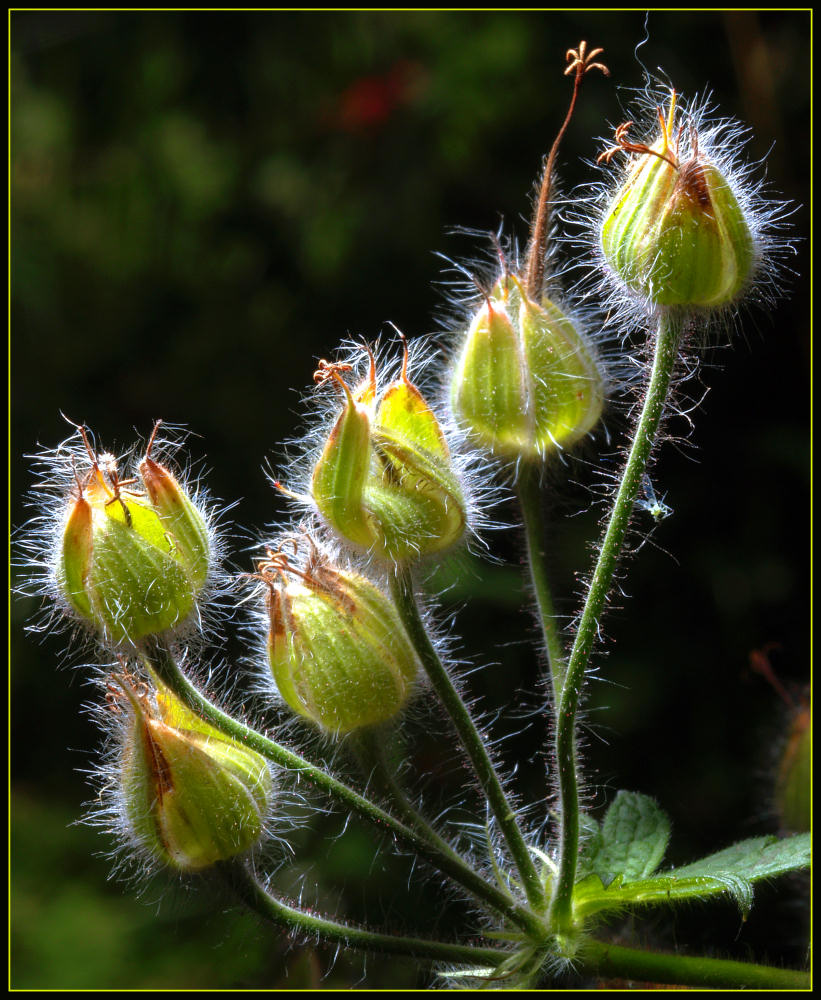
pixel 192 796
pixel 132 562
pixel 526 382
pixel 384 480
pixel 337 649
pixel 675 232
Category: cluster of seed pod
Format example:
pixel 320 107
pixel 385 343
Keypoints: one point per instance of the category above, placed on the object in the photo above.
pixel 136 554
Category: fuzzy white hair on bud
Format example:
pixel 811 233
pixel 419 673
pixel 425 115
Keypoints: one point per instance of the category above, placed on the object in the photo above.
pixel 354 362
pixel 63 476
pixel 692 134
pixel 122 691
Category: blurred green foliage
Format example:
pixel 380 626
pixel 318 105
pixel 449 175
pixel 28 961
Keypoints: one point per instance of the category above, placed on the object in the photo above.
pixel 202 204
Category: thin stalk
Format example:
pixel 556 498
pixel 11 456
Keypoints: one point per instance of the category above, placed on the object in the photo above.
pixel 405 598
pixel 161 661
pixel 668 336
pixel 580 62
pixel 530 500
pixel 370 750
pixel 295 921
pixel 659 967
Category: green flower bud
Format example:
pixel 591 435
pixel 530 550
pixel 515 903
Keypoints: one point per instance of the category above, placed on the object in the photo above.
pixel 132 562
pixel 192 796
pixel 385 480
pixel 675 232
pixel 337 649
pixel 526 381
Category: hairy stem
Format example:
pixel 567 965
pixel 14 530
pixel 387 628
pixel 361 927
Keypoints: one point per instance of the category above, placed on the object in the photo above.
pixel 295 921
pixel 162 663
pixel 538 231
pixel 530 500
pixel 405 598
pixel 659 967
pixel 668 336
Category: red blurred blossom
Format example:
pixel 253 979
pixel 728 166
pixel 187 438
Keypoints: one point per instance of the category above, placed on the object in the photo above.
pixel 369 102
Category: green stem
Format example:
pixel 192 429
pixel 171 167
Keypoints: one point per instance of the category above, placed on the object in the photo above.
pixel 161 661
pixel 370 749
pixel 530 500
pixel 681 970
pixel 405 598
pixel 668 336
pixel 295 921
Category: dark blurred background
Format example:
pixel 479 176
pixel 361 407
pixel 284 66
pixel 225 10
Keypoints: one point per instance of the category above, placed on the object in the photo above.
pixel 203 204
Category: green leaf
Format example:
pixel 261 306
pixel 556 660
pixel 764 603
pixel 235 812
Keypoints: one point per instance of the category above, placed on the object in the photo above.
pixel 634 837
pixel 732 871
pixel 590 843
pixel 757 858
